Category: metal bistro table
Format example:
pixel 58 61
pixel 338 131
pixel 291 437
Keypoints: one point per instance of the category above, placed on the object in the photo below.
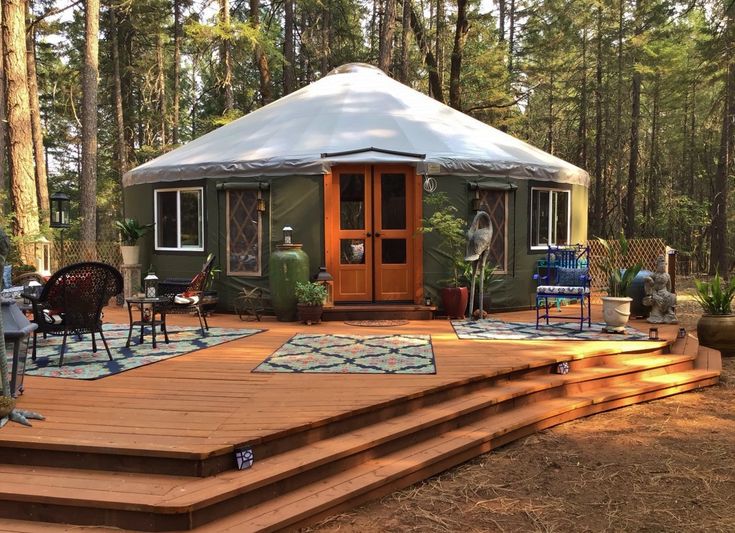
pixel 156 306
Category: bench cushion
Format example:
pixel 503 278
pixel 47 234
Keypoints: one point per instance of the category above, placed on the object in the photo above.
pixel 562 289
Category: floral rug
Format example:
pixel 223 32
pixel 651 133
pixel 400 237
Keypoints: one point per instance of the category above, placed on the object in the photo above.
pixel 353 354
pixel 499 330
pixel 81 363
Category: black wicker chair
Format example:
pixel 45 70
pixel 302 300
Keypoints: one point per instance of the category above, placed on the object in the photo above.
pixel 194 290
pixel 71 303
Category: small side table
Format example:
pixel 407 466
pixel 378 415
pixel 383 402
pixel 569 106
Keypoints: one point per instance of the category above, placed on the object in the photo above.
pixel 157 306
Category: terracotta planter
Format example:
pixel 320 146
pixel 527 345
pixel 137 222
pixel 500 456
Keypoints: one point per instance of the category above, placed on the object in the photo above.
pixel 718 332
pixel 616 312
pixel 309 314
pixel 130 254
pixel 454 301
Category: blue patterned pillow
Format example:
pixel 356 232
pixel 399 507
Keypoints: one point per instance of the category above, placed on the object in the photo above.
pixel 571 277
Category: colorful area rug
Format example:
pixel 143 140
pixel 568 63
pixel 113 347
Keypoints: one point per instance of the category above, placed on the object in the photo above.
pixel 81 363
pixel 499 330
pixel 353 354
pixel 376 323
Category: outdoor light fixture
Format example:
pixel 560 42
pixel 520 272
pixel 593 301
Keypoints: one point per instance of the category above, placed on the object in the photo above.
pixel 260 203
pixel 287 233
pixel 59 204
pixel 653 334
pixel 42 250
pixel 150 284
pixel 33 289
pixel 476 200
pixel 682 333
pixel 17 330
pixel 325 278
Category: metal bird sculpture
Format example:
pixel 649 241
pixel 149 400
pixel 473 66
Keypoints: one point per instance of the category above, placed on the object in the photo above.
pixel 479 236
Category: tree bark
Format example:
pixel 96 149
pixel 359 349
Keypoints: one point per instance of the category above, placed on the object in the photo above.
pixel 600 189
pixel 3 120
pixel 261 60
pixel 653 193
pixel 225 52
pixel 387 30
pixel 289 52
pixel 435 86
pixel 439 41
pixel 619 111
pixel 39 153
pixel 629 223
pixel 455 73
pixel 20 153
pixel 177 73
pixel 511 37
pixel 405 23
pixel 161 90
pixel 121 152
pixel 501 21
pixel 582 131
pixel 90 77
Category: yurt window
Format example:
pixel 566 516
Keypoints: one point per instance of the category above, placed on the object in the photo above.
pixel 495 204
pixel 179 219
pixel 550 217
pixel 243 233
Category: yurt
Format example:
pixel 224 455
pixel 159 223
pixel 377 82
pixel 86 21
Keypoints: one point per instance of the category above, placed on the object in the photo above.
pixel 349 163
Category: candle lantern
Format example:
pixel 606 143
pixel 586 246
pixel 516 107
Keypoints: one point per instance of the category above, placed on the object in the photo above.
pixel 42 250
pixel 150 284
pixel 17 330
pixel 653 334
pixel 287 234
pixel 476 204
pixel 261 202
pixel 325 278
pixel 60 207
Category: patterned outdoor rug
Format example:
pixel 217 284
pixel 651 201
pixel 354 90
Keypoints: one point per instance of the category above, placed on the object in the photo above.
pixel 81 363
pixel 376 323
pixel 353 354
pixel 499 330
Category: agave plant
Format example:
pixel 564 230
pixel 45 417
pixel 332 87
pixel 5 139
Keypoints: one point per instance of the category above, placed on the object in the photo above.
pixel 619 278
pixel 131 231
pixel 715 296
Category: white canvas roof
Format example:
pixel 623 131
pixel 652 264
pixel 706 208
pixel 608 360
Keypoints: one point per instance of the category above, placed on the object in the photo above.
pixel 355 114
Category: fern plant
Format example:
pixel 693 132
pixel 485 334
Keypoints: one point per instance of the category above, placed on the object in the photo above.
pixel 715 296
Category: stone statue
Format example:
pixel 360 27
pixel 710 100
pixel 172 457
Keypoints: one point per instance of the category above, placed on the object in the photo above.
pixel 659 296
pixel 478 247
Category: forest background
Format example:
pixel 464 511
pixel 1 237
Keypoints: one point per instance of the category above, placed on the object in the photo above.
pixel 640 93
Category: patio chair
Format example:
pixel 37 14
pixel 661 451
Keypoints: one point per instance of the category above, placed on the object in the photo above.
pixel 71 303
pixel 190 300
pixel 565 275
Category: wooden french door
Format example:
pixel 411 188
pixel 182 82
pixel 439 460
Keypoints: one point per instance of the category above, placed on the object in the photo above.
pixel 372 225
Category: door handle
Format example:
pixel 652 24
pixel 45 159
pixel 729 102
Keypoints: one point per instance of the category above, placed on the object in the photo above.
pixel 369 234
pixel 377 234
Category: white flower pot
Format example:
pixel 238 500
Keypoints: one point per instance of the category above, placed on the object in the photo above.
pixel 130 255
pixel 616 312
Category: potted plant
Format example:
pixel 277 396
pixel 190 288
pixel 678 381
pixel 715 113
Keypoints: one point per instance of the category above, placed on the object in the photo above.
pixel 616 305
pixel 310 298
pixel 130 232
pixel 450 229
pixel 716 327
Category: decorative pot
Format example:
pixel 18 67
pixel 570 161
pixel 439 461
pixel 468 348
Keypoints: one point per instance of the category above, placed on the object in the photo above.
pixel 637 291
pixel 288 265
pixel 718 332
pixel 454 301
pixel 309 314
pixel 130 254
pixel 616 312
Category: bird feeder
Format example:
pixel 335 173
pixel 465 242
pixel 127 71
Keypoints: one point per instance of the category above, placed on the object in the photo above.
pixel 17 329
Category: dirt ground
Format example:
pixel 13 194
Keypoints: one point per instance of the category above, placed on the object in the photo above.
pixel 667 465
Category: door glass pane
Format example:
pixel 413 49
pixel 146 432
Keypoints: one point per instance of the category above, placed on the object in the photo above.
pixel 352 251
pixel 166 223
pixel 394 251
pixel 191 216
pixel 393 201
pixel 351 201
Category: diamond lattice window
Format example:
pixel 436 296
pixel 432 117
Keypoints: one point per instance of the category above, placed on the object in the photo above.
pixel 495 204
pixel 243 233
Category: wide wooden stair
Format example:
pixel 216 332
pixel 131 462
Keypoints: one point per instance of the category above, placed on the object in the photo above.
pixel 311 472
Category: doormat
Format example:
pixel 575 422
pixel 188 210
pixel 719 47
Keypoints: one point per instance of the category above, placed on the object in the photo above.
pixel 353 354
pixel 526 331
pixel 376 323
pixel 81 363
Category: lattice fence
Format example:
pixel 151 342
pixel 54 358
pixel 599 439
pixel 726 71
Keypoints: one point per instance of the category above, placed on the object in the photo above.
pixel 643 251
pixel 76 251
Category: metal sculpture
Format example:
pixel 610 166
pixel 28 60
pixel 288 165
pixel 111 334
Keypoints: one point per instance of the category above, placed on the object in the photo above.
pixel 479 236
pixel 7 403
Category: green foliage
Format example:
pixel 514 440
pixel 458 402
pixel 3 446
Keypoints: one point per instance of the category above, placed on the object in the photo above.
pixel 715 296
pixel 450 229
pixel 310 293
pixel 619 276
pixel 131 230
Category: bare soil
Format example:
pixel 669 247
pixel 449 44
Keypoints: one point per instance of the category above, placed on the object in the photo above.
pixel 666 465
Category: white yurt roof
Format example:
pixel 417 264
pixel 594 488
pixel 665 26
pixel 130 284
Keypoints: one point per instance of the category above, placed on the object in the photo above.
pixel 355 114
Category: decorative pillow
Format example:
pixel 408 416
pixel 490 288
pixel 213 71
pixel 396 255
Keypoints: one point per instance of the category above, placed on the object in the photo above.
pixel 186 299
pixel 571 277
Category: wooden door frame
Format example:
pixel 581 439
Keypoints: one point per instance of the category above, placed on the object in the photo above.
pixel 331 255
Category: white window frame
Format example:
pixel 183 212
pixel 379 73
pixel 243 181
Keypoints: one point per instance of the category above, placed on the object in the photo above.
pixel 551 217
pixel 259 272
pixel 178 191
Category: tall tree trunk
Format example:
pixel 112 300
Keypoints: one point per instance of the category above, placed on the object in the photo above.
pixel 501 21
pixel 161 90
pixel 511 37
pixel 129 103
pixel 39 153
pixel 387 29
pixel 289 51
pixel 653 163
pixel 261 60
pixel 619 111
pixel 692 132
pixel 3 120
pixel 435 86
pixel 439 41
pixel 20 154
pixel 600 189
pixel 629 223
pixel 177 73
pixel 324 34
pixel 225 51
pixel 90 76
pixel 582 131
pixel 121 152
pixel 550 122
pixel 455 73
pixel 405 22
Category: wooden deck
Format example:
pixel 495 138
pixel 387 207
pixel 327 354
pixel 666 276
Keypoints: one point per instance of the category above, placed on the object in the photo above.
pixel 151 448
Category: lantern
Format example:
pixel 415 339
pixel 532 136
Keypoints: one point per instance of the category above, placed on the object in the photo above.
pixel 325 278
pixel 653 334
pixel 261 202
pixel 287 234
pixel 150 284
pixel 476 204
pixel 42 248
pixel 59 204
pixel 17 333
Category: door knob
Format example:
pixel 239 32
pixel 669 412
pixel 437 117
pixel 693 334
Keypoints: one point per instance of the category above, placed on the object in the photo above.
pixel 377 234
pixel 369 234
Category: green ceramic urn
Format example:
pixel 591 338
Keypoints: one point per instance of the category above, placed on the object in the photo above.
pixel 289 264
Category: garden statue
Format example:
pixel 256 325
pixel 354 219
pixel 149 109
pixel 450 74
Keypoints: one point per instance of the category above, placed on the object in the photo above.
pixel 7 403
pixel 659 296
pixel 478 247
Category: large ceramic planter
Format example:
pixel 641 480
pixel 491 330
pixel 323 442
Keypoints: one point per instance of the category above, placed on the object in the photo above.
pixel 309 314
pixel 130 255
pixel 718 332
pixel 616 312
pixel 289 265
pixel 454 301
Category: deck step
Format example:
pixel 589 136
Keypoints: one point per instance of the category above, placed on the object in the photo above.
pixel 379 312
